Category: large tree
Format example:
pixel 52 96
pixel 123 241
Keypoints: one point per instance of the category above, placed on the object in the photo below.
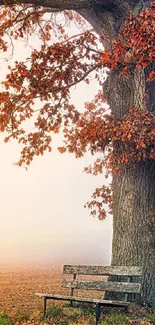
pixel 125 136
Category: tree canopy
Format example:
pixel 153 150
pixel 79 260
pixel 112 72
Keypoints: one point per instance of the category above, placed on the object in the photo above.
pixel 50 72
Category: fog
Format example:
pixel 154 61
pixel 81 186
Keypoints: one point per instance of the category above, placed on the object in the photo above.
pixel 43 219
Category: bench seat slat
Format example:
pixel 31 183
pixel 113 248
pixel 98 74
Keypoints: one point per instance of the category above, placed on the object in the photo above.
pixel 102 270
pixel 102 286
pixel 80 299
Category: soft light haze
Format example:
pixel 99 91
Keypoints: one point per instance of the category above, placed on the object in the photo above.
pixel 43 219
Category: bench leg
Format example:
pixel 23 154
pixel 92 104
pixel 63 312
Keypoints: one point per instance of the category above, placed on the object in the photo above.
pixel 127 308
pixel 44 306
pixel 98 313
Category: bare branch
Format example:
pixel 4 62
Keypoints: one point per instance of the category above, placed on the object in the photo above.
pixel 55 4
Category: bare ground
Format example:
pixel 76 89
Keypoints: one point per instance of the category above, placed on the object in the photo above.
pixel 19 284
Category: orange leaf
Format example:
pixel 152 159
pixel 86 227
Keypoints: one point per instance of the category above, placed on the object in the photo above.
pixel 62 149
pixel 151 76
pixel 105 56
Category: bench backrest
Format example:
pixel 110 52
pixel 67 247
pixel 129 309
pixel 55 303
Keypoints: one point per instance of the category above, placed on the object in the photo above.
pixel 126 287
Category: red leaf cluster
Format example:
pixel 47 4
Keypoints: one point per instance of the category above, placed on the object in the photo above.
pixel 101 198
pixel 46 76
pixel 135 44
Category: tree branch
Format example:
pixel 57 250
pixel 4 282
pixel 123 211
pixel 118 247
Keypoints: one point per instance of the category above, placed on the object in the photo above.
pixel 105 16
pixel 56 4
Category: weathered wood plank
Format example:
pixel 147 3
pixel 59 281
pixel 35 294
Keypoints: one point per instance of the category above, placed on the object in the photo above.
pixel 102 270
pixel 102 286
pixel 80 299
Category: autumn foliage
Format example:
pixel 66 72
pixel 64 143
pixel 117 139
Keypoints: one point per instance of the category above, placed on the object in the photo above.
pixel 50 72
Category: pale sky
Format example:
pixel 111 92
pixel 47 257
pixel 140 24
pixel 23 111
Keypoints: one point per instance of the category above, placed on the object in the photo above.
pixel 43 218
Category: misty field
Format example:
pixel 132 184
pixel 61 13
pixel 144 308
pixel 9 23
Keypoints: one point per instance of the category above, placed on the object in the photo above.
pixel 19 284
pixel 19 305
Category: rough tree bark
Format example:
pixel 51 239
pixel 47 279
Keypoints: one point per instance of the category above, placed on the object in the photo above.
pixel 134 188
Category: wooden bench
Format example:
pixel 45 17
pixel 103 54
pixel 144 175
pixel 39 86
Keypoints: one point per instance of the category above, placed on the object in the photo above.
pixel 127 287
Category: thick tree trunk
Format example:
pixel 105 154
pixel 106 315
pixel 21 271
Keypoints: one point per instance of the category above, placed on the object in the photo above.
pixel 134 187
pixel 134 222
